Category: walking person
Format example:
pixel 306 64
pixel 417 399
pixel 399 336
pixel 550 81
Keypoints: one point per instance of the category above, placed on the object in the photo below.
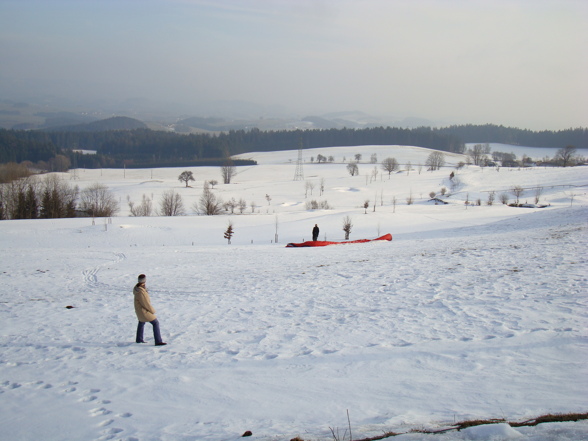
pixel 145 312
pixel 315 232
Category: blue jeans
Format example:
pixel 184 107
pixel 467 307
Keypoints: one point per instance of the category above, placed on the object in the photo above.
pixel 156 333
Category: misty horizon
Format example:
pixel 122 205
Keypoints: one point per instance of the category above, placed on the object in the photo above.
pixel 515 63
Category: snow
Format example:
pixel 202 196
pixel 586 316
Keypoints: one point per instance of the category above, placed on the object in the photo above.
pixel 471 312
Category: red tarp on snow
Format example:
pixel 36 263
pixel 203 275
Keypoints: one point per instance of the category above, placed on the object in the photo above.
pixel 324 243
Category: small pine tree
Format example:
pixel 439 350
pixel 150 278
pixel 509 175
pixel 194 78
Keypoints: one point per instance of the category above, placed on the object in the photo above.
pixel 229 232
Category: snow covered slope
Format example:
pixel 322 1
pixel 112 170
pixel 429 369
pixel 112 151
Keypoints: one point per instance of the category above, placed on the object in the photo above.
pixel 470 312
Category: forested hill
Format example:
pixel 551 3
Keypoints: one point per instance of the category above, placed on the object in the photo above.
pixel 157 148
pixel 509 135
pixel 117 146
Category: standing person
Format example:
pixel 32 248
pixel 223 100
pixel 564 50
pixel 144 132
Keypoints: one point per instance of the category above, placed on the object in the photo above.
pixel 315 233
pixel 145 312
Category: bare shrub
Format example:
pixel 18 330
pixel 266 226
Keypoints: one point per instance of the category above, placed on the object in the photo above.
pixel 410 199
pixel 98 201
pixel 145 208
pixel 317 205
pixel 504 198
pixel 12 171
pixel 491 197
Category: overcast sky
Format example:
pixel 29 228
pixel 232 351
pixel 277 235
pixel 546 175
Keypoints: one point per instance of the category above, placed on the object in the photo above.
pixel 514 62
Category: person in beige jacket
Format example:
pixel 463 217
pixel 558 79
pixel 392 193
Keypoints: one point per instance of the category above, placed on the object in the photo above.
pixel 145 312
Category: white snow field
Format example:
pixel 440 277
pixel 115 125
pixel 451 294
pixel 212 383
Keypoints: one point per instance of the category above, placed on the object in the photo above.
pixel 471 312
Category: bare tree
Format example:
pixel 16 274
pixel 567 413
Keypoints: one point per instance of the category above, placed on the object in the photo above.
pixel 478 154
pixel 308 185
pixel 390 165
pixel 566 156
pixel 144 209
pixel 171 204
pixel 208 203
pixel 517 191
pixel 572 195
pixel 435 161
pixel 538 193
pixel 366 204
pixel 231 204
pixel 374 175
pixel 347 225
pixel 228 170
pixel 98 201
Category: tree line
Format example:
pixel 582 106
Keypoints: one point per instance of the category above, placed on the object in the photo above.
pixel 148 148
pixel 488 133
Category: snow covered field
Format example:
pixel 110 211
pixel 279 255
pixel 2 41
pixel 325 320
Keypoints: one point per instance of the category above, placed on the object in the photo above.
pixel 471 312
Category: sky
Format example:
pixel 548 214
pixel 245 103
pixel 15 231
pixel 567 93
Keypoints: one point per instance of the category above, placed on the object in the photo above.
pixel 519 63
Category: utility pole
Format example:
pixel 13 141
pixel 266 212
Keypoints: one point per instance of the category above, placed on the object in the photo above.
pixel 299 174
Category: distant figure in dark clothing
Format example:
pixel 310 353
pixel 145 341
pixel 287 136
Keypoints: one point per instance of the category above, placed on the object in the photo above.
pixel 315 232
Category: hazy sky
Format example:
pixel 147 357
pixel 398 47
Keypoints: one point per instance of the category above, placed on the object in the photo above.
pixel 514 62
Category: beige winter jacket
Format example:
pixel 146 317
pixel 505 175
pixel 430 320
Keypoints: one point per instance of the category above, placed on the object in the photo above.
pixel 145 312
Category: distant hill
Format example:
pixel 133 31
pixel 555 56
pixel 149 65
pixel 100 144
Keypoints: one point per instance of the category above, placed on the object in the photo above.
pixel 103 125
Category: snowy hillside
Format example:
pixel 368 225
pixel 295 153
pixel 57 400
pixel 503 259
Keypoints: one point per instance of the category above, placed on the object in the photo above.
pixel 471 312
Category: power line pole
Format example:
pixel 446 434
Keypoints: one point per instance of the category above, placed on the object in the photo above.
pixel 299 174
